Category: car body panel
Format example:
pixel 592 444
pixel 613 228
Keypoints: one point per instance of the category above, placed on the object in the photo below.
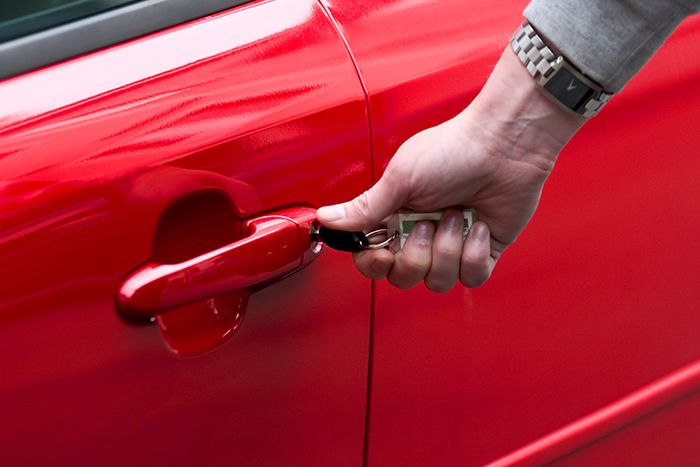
pixel 598 297
pixel 160 149
pixel 163 148
pixel 667 437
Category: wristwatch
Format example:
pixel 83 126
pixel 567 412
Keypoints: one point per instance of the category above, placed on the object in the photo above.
pixel 563 82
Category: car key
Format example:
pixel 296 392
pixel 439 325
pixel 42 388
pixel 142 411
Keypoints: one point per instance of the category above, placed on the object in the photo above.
pixel 351 241
pixel 400 226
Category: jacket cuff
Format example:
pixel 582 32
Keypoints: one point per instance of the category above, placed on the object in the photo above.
pixel 608 41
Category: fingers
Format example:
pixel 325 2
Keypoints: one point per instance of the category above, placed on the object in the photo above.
pixel 439 257
pixel 412 263
pixel 367 210
pixel 477 263
pixel 446 253
pixel 374 264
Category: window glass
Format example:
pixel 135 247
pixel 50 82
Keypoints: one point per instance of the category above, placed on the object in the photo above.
pixel 21 17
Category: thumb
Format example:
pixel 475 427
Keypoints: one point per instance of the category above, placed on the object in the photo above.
pixel 367 210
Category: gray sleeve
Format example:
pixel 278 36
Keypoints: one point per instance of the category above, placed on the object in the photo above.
pixel 608 40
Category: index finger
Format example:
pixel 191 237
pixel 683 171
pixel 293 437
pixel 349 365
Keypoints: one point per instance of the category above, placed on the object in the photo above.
pixel 374 264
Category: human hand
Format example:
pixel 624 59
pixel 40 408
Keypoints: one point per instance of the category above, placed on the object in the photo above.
pixel 493 157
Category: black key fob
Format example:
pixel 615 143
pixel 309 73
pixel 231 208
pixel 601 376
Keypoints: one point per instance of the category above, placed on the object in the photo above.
pixel 342 240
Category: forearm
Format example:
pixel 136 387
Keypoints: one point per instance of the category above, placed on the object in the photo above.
pixel 493 157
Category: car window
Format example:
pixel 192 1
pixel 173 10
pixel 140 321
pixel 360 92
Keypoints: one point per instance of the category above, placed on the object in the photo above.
pixel 36 33
pixel 18 19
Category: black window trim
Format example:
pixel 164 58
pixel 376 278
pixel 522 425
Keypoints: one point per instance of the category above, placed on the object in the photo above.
pixel 95 32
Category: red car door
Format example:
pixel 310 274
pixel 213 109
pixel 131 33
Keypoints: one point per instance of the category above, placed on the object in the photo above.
pixel 195 146
pixel 597 300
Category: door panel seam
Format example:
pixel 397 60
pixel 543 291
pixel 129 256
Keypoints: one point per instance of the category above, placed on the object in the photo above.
pixel 338 29
pixel 370 358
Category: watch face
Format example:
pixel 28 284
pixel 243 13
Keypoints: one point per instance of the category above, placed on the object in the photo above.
pixel 568 89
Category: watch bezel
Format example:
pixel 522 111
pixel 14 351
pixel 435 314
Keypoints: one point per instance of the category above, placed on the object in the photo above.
pixel 559 64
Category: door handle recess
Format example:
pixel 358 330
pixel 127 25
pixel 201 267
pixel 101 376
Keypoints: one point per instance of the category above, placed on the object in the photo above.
pixel 275 245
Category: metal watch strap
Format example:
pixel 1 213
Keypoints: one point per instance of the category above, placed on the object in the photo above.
pixel 543 64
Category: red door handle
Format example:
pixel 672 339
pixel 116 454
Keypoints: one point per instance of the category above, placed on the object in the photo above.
pixel 275 246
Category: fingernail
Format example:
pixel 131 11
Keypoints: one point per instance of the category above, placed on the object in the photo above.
pixel 454 221
pixel 331 213
pixel 480 232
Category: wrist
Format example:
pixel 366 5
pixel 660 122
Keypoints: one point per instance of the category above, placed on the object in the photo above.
pixel 513 110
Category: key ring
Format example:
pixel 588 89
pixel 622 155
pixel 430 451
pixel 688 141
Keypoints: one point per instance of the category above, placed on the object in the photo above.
pixel 382 244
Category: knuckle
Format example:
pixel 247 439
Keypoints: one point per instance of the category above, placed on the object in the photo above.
pixel 474 261
pixel 395 172
pixel 475 276
pixel 362 205
pixel 402 284
pixel 372 265
pixel 473 282
pixel 438 286
pixel 360 260
pixel 413 266
pixel 368 274
pixel 379 267
pixel 447 250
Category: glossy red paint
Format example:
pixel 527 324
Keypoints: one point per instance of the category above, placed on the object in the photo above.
pixel 607 420
pixel 599 296
pixel 272 247
pixel 202 326
pixel 159 150
pixel 118 159
pixel 668 436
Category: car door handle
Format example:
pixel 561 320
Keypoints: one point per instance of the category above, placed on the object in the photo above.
pixel 275 245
